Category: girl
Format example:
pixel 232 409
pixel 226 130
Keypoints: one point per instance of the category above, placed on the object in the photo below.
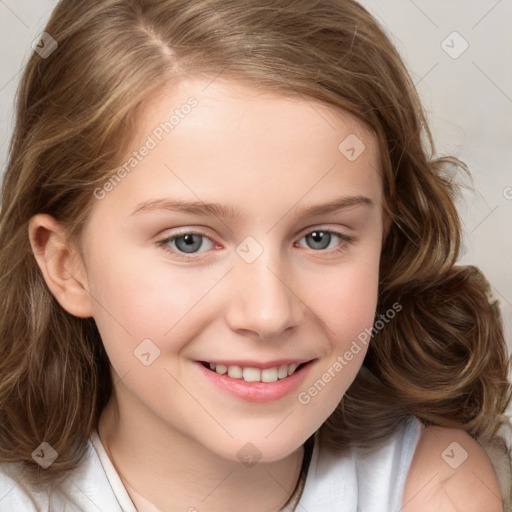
pixel 228 273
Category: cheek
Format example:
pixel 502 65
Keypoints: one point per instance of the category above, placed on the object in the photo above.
pixel 350 314
pixel 134 300
pixel 347 309
pixel 346 300
pixel 352 304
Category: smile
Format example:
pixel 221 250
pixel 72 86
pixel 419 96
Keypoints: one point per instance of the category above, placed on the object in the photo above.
pixel 253 381
pixel 252 374
pixel 256 382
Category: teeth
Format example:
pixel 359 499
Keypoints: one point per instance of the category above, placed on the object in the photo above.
pixel 282 372
pixel 292 368
pixel 221 369
pixel 269 375
pixel 255 374
pixel 235 372
pixel 251 375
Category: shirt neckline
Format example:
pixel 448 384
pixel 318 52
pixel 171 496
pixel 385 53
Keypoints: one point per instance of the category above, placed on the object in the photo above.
pixel 127 505
pixel 293 501
pixel 118 488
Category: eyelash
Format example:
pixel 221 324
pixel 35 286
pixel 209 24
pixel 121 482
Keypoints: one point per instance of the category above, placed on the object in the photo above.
pixel 163 244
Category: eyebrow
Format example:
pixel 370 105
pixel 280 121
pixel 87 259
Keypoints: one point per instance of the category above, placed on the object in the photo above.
pixel 231 212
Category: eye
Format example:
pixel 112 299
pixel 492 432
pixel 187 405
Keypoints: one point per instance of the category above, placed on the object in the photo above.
pixel 184 243
pixel 320 239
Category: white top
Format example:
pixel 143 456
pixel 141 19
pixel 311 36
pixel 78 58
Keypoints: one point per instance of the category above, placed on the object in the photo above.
pixel 351 481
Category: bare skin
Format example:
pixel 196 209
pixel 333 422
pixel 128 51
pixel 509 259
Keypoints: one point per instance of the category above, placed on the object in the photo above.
pixel 450 472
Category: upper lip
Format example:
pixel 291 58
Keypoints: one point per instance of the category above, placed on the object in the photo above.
pixel 256 364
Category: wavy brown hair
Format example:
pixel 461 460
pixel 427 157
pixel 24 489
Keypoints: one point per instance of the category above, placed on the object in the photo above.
pixel 442 359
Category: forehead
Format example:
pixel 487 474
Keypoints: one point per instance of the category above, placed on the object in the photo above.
pixel 247 113
pixel 222 141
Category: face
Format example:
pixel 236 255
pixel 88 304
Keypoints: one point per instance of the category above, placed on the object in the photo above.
pixel 238 322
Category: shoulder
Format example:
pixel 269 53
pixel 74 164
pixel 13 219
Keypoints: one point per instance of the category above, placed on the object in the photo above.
pixel 450 471
pixel 84 489
pixel 13 494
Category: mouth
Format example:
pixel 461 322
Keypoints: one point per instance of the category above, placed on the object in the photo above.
pixel 253 373
pixel 253 381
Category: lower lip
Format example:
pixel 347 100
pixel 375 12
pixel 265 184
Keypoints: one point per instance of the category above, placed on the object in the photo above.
pixel 257 391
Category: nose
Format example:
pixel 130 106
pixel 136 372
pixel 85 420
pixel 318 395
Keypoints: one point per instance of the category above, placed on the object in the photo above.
pixel 263 299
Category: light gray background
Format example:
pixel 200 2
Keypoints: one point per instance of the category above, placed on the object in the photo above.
pixel 468 100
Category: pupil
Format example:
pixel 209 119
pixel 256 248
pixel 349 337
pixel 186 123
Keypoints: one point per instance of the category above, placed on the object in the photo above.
pixel 317 237
pixel 187 244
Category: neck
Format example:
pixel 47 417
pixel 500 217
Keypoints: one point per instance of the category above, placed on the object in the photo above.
pixel 169 471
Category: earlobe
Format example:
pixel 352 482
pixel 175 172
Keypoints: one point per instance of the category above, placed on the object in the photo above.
pixel 60 264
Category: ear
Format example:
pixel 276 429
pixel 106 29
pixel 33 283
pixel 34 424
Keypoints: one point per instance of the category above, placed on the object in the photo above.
pixel 61 265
